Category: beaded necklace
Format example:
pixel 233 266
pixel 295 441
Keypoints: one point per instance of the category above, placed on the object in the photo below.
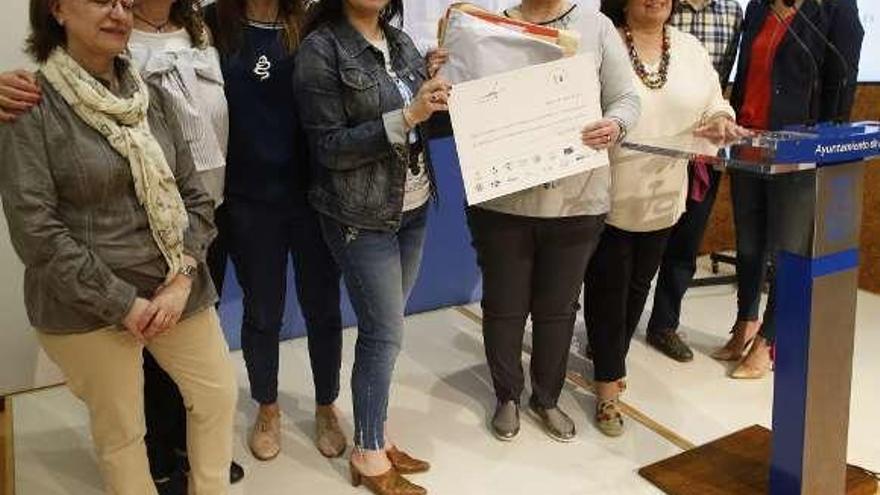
pixel 653 80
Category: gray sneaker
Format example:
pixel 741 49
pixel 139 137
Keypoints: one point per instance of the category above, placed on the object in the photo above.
pixel 556 423
pixel 505 423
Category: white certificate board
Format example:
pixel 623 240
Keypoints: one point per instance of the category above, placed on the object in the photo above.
pixel 522 128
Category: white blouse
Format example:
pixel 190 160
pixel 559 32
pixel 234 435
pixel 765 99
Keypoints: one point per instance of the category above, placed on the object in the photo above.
pixel 649 192
pixel 193 80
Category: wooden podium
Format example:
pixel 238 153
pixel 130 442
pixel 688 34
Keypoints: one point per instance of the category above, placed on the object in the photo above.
pixel 736 464
pixel 816 292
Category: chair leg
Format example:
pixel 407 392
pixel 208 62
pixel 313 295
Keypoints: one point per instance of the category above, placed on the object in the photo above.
pixel 7 459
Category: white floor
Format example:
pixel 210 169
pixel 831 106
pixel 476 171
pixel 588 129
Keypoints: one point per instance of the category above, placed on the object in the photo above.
pixel 440 406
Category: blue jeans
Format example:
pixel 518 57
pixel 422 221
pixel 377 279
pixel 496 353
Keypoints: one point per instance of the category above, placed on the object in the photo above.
pixel 769 215
pixel 379 269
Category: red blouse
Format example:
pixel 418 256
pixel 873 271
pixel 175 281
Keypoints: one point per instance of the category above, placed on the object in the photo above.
pixel 755 111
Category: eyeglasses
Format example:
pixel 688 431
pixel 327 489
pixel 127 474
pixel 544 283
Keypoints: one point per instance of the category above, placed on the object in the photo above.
pixel 127 5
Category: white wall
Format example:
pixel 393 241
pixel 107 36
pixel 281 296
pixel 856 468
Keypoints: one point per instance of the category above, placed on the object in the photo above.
pixel 22 365
pixel 13 26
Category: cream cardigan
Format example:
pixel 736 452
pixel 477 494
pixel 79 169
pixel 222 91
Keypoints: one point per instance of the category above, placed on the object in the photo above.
pixel 648 192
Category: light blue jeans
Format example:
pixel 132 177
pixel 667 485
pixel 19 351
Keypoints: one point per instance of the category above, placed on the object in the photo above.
pixel 379 269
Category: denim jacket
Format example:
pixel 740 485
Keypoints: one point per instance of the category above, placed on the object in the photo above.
pixel 352 113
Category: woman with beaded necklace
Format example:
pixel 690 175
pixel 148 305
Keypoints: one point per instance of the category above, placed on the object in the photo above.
pixel 680 96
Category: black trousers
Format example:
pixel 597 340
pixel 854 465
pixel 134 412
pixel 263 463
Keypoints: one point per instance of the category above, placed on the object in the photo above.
pixel 680 260
pixel 531 266
pixel 616 287
pixel 262 238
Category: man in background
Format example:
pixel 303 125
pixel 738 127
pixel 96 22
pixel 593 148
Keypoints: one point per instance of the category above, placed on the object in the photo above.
pixel 718 25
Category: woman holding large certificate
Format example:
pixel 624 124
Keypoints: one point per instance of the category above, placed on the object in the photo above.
pixel 533 246
pixel 680 95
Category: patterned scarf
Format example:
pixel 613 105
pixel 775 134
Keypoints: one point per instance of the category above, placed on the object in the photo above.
pixel 123 121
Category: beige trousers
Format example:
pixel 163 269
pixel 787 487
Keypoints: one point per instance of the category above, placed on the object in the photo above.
pixel 104 369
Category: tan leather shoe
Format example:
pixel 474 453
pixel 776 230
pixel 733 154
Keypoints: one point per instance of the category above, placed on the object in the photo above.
pixel 741 339
pixel 757 363
pixel 388 483
pixel 406 464
pixel 329 438
pixel 265 440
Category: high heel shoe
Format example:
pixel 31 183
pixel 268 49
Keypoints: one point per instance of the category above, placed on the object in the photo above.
pixel 754 366
pixel 742 338
pixel 405 463
pixel 388 483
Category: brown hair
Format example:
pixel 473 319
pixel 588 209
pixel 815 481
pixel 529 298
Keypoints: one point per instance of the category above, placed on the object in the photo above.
pixel 231 14
pixel 46 33
pixel 330 11
pixel 188 15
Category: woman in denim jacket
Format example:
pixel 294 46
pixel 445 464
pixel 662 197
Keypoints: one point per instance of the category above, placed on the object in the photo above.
pixel 361 89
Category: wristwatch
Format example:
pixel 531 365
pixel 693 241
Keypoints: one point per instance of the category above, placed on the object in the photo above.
pixel 188 271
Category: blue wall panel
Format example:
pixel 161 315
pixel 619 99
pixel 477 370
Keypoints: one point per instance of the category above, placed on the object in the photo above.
pixel 449 274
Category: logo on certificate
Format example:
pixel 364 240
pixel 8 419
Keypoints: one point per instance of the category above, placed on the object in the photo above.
pixel 559 76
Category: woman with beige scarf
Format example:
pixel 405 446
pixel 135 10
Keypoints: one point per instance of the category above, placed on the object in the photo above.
pixel 112 223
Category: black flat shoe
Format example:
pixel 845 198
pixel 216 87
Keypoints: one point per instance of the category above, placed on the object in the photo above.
pixel 236 472
pixel 671 345
pixel 175 484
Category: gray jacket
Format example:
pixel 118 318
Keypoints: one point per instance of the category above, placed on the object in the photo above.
pixel 76 223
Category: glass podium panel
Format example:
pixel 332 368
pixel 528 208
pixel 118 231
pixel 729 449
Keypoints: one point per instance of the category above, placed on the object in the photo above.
pixel 776 152
pixel 756 154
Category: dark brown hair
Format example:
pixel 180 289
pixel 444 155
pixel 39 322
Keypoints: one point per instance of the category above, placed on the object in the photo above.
pixel 188 15
pixel 329 11
pixel 46 33
pixel 616 10
pixel 231 14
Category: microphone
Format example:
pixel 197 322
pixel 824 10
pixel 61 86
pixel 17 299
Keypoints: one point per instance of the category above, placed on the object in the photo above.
pixel 814 65
pixel 849 73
